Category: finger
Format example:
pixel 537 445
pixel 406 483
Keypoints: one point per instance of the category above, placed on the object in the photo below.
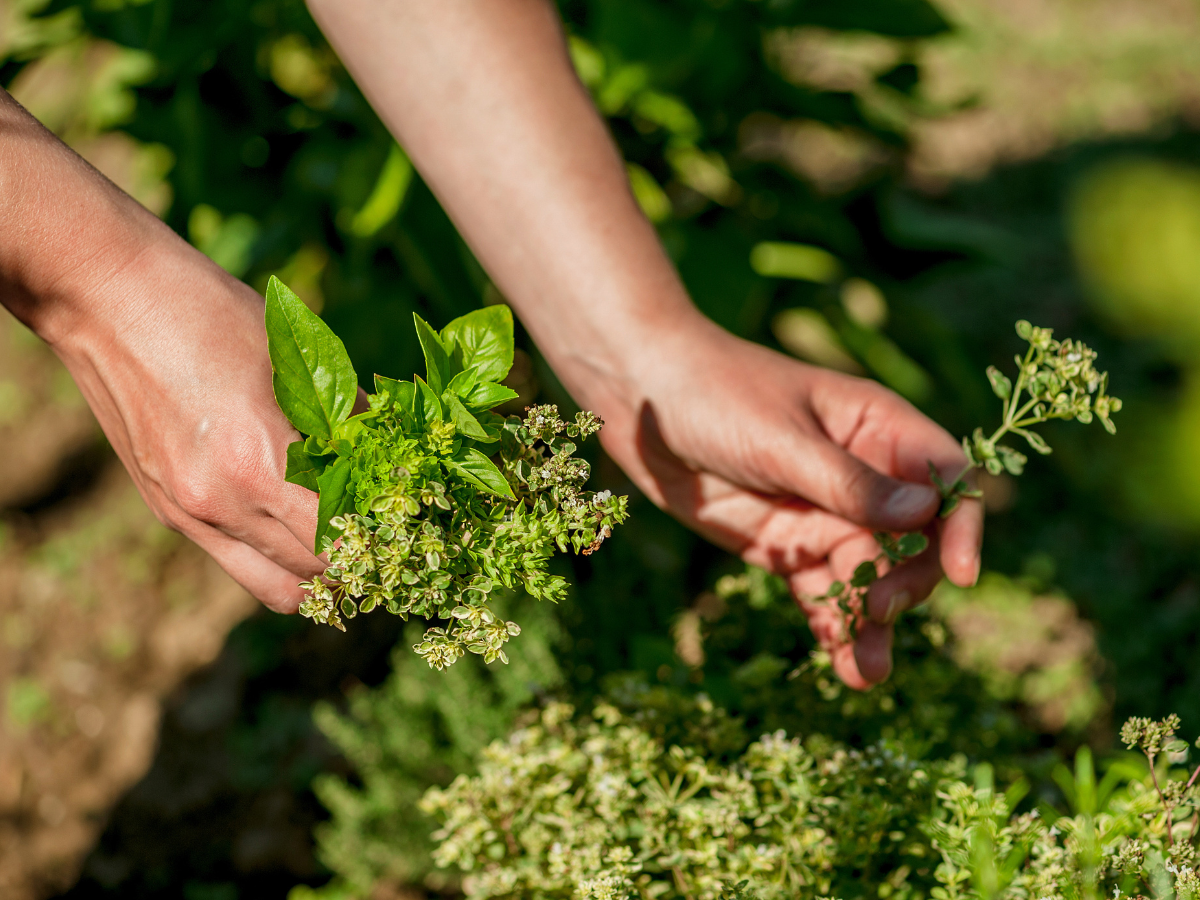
pixel 274 540
pixel 296 508
pixel 843 484
pixel 275 587
pixel 961 539
pixel 903 587
pixel 872 653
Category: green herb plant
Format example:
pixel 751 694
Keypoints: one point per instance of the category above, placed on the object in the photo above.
pixel 1055 380
pixel 429 501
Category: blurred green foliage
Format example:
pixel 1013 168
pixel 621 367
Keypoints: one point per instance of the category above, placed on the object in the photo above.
pixel 277 165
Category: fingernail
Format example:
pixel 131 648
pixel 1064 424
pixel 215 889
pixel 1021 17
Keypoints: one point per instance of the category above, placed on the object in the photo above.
pixel 897 603
pixel 909 501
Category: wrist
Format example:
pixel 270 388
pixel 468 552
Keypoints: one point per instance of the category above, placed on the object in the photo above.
pixel 610 355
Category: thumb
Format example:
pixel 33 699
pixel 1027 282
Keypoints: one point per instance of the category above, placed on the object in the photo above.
pixel 843 484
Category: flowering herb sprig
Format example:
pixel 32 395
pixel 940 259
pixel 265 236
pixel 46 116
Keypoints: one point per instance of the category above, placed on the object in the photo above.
pixel 429 502
pixel 1055 380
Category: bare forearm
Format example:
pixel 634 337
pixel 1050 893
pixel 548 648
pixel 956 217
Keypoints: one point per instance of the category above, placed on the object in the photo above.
pixel 64 228
pixel 483 97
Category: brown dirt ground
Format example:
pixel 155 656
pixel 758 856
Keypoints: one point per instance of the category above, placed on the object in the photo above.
pixel 103 613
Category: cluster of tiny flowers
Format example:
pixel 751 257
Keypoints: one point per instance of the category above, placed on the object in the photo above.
pixel 595 807
pixel 424 540
pixel 1055 380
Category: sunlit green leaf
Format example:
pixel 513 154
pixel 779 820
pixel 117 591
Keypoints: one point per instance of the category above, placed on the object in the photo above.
pixel 437 360
pixel 314 382
pixel 483 339
pixel 335 499
pixel 480 471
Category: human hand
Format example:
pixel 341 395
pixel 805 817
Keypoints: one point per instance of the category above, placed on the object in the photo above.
pixel 794 467
pixel 173 361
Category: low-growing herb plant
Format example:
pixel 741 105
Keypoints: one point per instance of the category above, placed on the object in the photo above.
pixel 1055 380
pixel 429 501
pixel 597 808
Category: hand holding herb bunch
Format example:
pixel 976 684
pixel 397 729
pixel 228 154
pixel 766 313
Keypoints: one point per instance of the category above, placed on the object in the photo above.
pixel 429 502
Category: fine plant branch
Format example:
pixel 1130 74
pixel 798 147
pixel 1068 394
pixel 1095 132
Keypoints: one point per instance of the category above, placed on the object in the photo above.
pixel 430 503
pixel 1060 381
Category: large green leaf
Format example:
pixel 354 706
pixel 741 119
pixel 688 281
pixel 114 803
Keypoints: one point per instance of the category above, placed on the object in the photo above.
pixel 484 339
pixel 480 471
pixel 437 361
pixel 335 500
pixel 487 395
pixel 303 468
pixel 314 382
pixel 465 423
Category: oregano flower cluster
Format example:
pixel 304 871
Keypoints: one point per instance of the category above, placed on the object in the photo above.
pixel 1055 380
pixel 595 807
pixel 429 502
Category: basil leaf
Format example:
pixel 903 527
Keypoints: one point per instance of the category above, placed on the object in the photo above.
pixel 437 360
pixel 465 423
pixel 488 394
pixel 463 383
pixel 314 382
pixel 317 446
pixel 480 471
pixel 426 405
pixel 336 499
pixel 484 338
pixel 302 467
pixel 400 391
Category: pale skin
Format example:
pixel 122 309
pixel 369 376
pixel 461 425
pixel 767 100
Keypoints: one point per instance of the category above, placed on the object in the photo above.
pixel 789 465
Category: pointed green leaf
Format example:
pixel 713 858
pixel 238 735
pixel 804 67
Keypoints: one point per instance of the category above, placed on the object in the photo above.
pixel 462 383
pixel 480 471
pixel 465 423
pixel 335 500
pixel 426 405
pixel 484 339
pixel 401 391
pixel 437 360
pixel 302 467
pixel 314 382
pixel 488 395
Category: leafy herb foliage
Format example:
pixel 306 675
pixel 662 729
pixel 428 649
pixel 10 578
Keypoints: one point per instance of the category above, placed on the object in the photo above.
pixel 596 807
pixel 430 502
